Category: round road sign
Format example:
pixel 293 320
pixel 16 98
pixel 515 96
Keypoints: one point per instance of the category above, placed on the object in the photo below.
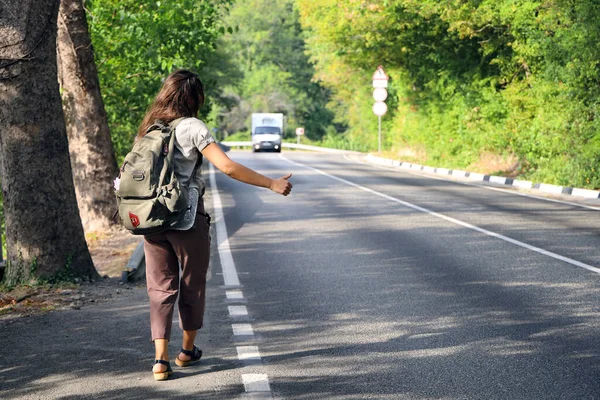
pixel 379 108
pixel 380 94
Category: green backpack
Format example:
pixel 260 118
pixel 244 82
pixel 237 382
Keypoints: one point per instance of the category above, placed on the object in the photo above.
pixel 150 199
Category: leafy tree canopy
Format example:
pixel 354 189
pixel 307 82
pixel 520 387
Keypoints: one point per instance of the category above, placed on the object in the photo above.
pixel 513 77
pixel 137 44
pixel 268 47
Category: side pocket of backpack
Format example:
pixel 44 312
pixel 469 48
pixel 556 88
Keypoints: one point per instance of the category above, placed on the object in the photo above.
pixel 139 215
pixel 174 196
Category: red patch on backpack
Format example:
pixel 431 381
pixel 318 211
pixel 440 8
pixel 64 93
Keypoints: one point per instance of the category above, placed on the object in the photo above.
pixel 135 221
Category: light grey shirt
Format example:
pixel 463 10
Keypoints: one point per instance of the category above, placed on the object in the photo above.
pixel 191 137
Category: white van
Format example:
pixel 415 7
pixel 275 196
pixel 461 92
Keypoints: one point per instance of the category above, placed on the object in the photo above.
pixel 267 131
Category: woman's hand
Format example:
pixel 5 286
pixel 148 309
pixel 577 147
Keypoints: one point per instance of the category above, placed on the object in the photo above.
pixel 282 185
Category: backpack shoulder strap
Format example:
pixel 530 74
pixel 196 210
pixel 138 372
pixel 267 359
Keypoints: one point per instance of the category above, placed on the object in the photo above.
pixel 173 124
pixel 170 129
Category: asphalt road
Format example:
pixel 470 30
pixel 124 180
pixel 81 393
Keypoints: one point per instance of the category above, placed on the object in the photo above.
pixel 366 282
pixel 365 292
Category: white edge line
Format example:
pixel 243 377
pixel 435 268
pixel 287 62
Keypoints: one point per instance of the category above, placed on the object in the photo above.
pixel 452 220
pixel 482 185
pixel 535 197
pixel 503 190
pixel 230 276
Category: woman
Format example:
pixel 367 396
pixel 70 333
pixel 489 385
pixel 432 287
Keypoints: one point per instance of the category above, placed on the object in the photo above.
pixel 181 96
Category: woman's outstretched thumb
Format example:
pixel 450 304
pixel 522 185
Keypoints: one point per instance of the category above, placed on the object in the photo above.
pixel 288 176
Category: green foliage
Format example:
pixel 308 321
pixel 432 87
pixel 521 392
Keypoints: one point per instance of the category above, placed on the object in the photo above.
pixel 138 44
pixel 240 137
pixel 519 78
pixel 268 47
pixel 516 77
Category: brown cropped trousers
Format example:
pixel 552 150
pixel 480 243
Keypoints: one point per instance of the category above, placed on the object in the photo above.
pixel 165 281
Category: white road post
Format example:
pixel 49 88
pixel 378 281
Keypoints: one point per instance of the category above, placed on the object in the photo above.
pixel 379 134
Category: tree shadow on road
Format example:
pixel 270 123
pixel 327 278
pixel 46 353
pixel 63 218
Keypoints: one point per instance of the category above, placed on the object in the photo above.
pixel 415 309
pixel 101 351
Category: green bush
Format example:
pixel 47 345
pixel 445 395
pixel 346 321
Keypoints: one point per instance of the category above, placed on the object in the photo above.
pixel 239 137
pixel 468 78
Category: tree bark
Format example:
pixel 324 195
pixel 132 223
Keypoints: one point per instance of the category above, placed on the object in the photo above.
pixel 43 228
pixel 90 147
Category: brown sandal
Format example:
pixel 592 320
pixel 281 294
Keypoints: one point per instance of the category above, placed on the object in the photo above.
pixel 195 353
pixel 163 376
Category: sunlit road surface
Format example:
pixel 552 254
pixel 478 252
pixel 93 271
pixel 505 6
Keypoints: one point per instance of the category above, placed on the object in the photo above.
pixel 364 283
pixel 373 283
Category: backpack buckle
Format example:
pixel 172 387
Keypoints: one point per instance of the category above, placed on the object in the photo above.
pixel 138 175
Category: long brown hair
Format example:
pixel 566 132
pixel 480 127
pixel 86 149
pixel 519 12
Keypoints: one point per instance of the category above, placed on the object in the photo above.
pixel 181 95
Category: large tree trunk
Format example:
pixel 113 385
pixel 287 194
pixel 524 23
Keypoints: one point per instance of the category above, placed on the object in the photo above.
pixel 43 228
pixel 92 154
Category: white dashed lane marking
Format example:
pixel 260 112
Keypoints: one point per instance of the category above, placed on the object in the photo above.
pixel 248 353
pixel 234 295
pixel 242 330
pixel 238 311
pixel 256 385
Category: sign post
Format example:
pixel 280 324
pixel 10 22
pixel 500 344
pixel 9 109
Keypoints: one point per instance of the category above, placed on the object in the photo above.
pixel 299 132
pixel 380 83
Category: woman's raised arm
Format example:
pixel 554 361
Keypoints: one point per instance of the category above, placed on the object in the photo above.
pixel 237 171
